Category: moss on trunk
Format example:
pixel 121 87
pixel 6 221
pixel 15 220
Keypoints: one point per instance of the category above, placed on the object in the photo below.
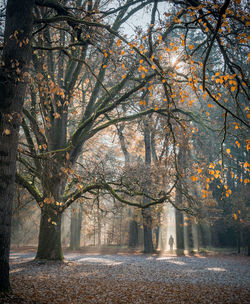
pixel 49 247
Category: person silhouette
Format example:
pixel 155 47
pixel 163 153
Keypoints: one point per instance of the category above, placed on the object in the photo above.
pixel 171 243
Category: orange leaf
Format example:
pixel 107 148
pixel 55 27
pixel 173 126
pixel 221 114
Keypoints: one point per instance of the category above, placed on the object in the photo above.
pixel 6 132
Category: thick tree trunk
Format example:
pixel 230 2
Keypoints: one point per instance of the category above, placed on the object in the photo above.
pixel 49 247
pixel 16 57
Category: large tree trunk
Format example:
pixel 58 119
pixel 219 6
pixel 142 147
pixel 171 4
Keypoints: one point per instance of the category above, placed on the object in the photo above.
pixel 49 247
pixel 16 57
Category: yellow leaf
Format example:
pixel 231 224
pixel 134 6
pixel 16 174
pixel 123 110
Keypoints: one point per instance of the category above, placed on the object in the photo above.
pixel 194 178
pixel 156 108
pixel 191 46
pixel 228 151
pixel 235 216
pixel 6 132
pixel 67 155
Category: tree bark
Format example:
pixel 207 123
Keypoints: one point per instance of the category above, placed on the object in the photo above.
pixel 179 232
pixel 179 222
pixel 133 233
pixel 16 57
pixel 146 213
pixel 75 227
pixel 49 246
pixel 147 229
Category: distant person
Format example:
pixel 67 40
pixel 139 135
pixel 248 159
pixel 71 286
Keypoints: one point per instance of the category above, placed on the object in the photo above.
pixel 171 243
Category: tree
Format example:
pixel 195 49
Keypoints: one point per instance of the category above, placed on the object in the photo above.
pixel 56 146
pixel 16 55
pixel 83 68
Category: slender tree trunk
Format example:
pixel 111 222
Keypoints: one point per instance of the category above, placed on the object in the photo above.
pixel 49 247
pixel 238 239
pixel 73 220
pixel 14 61
pixel 99 228
pixel 248 243
pixel 75 227
pixel 146 213
pixel 133 233
pixel 179 232
pixel 147 229
pixel 179 222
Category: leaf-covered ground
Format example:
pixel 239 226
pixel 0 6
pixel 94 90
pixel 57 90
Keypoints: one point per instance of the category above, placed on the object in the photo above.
pixel 127 278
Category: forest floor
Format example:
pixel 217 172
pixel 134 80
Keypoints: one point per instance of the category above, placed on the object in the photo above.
pixel 93 277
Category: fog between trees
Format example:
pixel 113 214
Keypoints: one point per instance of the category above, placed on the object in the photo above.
pixel 125 139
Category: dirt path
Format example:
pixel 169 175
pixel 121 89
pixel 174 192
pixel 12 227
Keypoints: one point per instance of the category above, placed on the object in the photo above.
pixel 124 278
